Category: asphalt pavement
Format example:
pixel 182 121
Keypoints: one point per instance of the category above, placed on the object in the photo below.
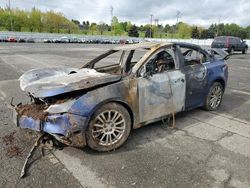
pixel 207 149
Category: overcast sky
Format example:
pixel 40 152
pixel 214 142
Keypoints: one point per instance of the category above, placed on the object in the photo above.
pixel 198 12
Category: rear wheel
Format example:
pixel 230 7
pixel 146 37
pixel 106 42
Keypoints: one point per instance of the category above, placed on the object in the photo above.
pixel 109 127
pixel 214 97
pixel 231 51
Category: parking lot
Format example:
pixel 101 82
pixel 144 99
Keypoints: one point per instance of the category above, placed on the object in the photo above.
pixel 207 149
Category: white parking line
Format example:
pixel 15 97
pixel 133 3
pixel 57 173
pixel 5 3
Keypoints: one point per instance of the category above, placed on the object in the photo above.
pixel 3 94
pixel 82 173
pixel 240 92
pixel 13 66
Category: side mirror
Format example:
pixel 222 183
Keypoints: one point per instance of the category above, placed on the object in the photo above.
pixel 147 74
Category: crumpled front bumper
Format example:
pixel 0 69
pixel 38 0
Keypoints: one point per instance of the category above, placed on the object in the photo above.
pixel 66 128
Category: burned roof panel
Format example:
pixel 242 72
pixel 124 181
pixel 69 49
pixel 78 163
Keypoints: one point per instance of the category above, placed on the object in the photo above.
pixel 141 45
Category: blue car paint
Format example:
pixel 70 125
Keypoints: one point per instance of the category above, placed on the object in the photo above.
pixel 121 92
pixel 216 71
pixel 29 123
pixel 64 124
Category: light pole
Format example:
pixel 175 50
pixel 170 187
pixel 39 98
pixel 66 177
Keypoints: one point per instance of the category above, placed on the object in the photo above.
pixel 177 19
pixel 10 17
pixel 218 27
pixel 111 14
pixel 151 20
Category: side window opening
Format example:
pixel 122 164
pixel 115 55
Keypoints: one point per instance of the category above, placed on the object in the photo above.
pixel 192 56
pixel 133 57
pixel 111 63
pixel 159 62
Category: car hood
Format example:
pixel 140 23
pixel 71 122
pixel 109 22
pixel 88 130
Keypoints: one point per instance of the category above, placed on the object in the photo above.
pixel 49 82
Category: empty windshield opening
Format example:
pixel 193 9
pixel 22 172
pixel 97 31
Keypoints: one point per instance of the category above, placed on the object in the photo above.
pixel 117 61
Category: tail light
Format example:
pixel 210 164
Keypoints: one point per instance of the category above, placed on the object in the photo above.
pixel 225 66
pixel 227 43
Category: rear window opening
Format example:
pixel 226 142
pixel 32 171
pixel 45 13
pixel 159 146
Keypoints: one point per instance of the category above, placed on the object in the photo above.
pixel 220 39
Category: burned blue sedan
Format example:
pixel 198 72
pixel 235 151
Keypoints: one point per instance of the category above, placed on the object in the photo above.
pixel 123 89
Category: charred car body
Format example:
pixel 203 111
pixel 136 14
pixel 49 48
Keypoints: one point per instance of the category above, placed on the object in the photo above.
pixel 98 104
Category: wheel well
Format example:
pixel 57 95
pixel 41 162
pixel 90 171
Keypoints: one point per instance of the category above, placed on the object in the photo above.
pixel 126 106
pixel 129 111
pixel 222 82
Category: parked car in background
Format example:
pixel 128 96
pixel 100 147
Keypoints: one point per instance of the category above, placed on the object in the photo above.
pixel 21 40
pixel 12 39
pixel 230 44
pixel 64 40
pixel 124 88
pixel 75 40
pixel 3 39
pixel 30 40
pixel 47 40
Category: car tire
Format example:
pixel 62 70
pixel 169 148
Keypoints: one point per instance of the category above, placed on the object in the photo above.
pixel 244 51
pixel 231 51
pixel 109 127
pixel 214 97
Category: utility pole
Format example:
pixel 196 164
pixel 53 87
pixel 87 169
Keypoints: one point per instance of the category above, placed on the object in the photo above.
pixel 218 26
pixel 178 15
pixel 151 20
pixel 111 14
pixel 10 17
pixel 156 24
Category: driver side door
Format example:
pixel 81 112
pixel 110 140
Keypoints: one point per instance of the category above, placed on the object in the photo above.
pixel 160 93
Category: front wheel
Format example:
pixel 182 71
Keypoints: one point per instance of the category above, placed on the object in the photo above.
pixel 214 97
pixel 109 127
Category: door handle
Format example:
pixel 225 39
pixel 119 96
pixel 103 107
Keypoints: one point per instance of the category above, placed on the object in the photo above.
pixel 178 80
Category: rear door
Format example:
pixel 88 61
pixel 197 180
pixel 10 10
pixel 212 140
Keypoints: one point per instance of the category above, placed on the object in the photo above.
pixel 196 77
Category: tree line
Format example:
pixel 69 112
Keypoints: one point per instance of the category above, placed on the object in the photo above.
pixel 54 22
pixel 35 21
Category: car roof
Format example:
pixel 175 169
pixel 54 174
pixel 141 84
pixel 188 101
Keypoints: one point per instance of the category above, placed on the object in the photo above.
pixel 147 45
pixel 227 37
pixel 184 44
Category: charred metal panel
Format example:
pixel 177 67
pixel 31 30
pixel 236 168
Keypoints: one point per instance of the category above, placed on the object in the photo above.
pixel 141 45
pixel 60 107
pixel 52 82
pixel 178 86
pixel 155 96
pixel 62 124
pixel 124 91
pixel 147 55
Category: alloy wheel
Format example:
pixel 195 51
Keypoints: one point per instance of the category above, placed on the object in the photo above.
pixel 109 127
pixel 216 96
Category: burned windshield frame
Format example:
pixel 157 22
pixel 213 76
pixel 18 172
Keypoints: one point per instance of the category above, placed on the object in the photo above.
pixel 92 63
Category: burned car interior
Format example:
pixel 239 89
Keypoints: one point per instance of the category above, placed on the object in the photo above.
pixel 119 62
